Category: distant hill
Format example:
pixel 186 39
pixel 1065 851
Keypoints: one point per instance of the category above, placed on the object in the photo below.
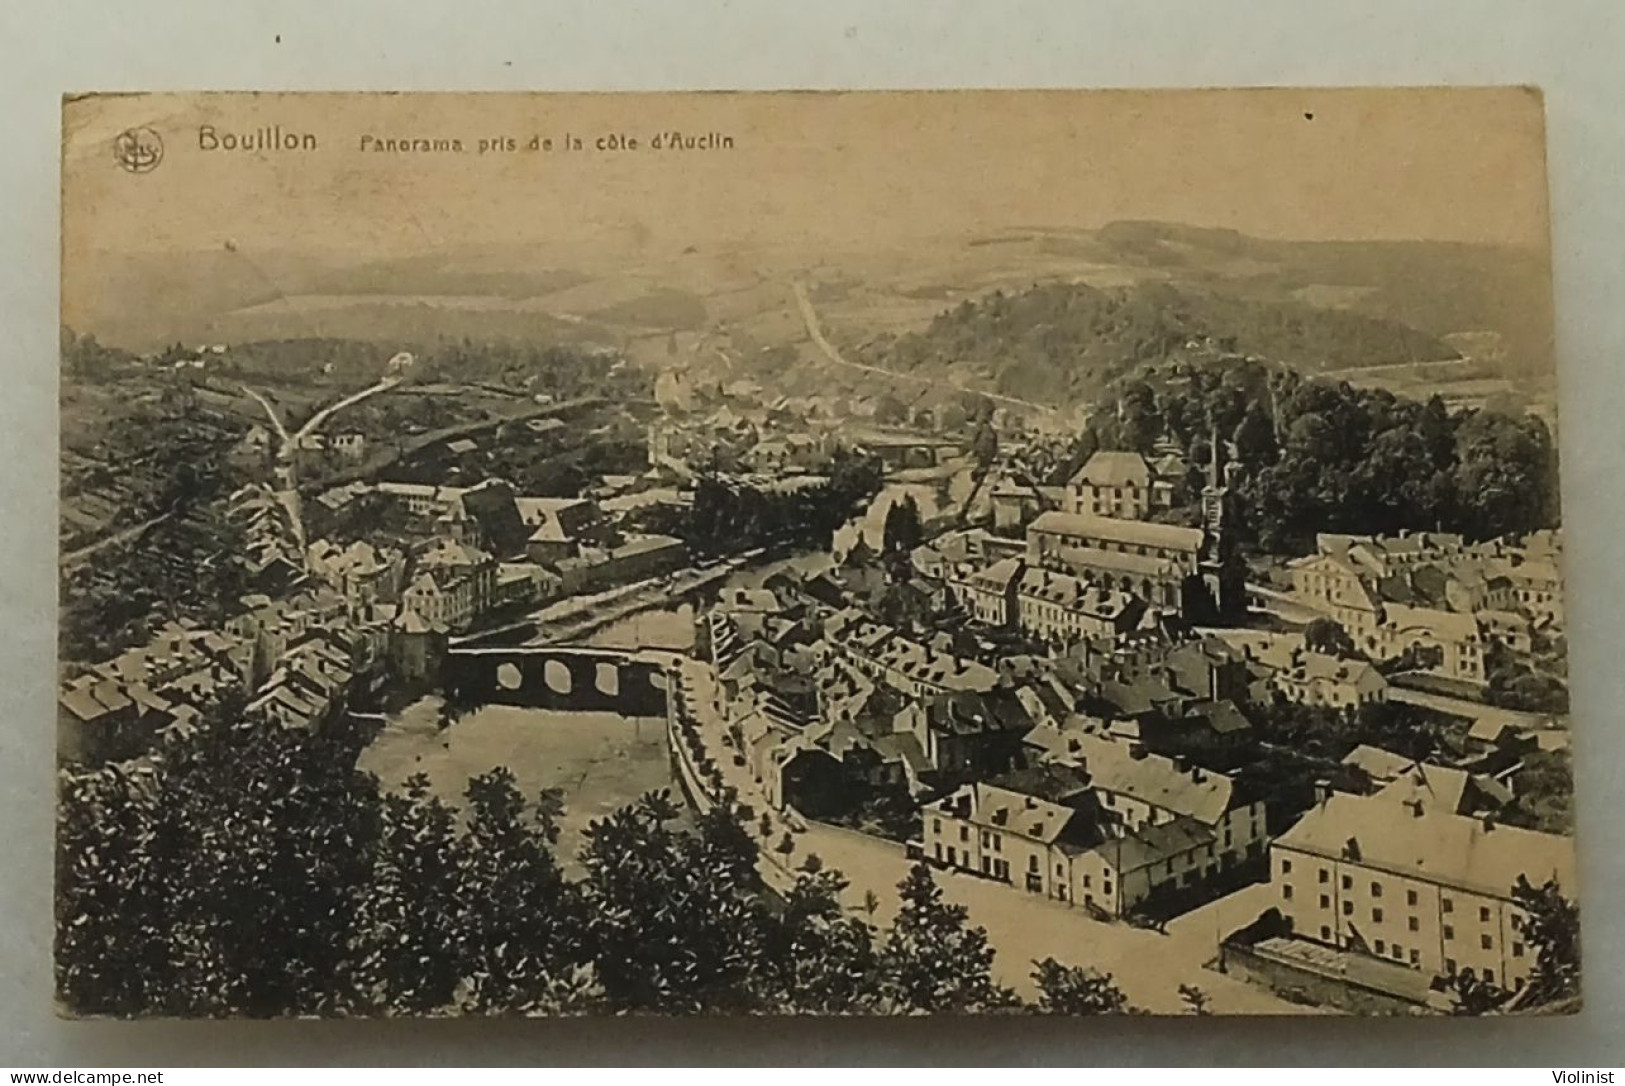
pixel 1059 342
pixel 1493 302
pixel 1435 287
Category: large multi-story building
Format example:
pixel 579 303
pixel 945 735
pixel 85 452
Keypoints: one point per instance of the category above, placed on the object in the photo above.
pixel 1152 561
pixel 1412 882
pixel 1121 484
pixel 1105 825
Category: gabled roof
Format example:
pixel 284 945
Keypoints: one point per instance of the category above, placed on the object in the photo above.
pixel 1112 468
pixel 1432 844
pixel 1113 529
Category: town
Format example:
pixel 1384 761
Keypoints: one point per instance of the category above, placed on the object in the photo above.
pixel 1116 728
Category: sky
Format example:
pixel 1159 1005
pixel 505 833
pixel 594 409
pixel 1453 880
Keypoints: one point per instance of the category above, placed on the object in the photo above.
pixel 808 171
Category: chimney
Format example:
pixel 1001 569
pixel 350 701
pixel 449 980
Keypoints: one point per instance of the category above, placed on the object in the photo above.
pixel 1181 763
pixel 1323 790
pixel 1137 751
pixel 1197 776
pixel 1489 823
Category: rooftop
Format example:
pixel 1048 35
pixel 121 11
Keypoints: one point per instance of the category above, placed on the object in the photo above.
pixel 1434 845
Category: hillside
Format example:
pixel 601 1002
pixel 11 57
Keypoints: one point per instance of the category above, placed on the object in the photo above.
pixel 1063 342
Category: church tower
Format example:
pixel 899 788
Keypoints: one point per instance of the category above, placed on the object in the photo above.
pixel 1220 566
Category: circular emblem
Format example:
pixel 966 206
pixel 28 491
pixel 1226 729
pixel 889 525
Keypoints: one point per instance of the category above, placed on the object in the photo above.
pixel 138 150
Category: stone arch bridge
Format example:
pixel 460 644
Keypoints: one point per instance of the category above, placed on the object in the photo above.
pixel 559 677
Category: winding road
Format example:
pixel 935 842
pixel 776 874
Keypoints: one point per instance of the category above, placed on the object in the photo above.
pixel 810 318
pixel 288 461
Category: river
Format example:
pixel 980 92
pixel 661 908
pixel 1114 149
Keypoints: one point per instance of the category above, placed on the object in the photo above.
pixel 599 761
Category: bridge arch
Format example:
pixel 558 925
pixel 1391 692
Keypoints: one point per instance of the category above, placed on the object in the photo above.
pixel 556 677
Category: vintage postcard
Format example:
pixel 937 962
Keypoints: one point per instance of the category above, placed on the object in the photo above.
pixel 820 553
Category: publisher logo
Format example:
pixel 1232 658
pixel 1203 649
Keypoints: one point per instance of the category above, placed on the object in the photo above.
pixel 138 150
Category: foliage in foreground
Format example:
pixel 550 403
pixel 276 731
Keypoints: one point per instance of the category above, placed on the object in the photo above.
pixel 249 870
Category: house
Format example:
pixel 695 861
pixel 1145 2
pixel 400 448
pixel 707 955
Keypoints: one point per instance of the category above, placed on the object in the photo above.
pixel 1453 638
pixel 1317 678
pixel 362 573
pixel 638 558
pixel 1063 608
pixel 350 445
pixel 559 527
pixel 988 594
pixel 1118 484
pixel 451 584
pixel 1015 502
pixel 1096 834
pixel 1018 832
pixel 967 733
pixel 1331 584
pixel 1408 880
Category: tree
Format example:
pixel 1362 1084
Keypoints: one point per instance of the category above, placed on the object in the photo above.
pixel 1195 1000
pixel 1551 925
pixel 931 962
pixel 902 531
pixel 1070 989
pixel 822 961
pixel 412 905
pixel 1475 995
pixel 676 921
pixel 1327 635
pixel 523 926
pixel 985 445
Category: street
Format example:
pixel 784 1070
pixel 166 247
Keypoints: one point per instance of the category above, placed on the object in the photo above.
pixel 1149 966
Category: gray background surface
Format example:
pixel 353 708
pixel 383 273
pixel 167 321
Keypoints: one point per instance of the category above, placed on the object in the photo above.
pixel 1570 48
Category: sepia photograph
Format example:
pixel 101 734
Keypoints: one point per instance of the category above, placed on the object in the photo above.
pixel 841 553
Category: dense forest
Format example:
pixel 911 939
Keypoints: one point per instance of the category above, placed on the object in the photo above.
pixel 1063 342
pixel 1322 456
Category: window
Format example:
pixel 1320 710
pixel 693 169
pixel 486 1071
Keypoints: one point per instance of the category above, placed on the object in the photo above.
pixel 1399 953
pixel 964 833
pixel 939 852
pixel 1486 942
pixel 1032 864
pixel 1325 902
pixel 1449 931
pixel 1348 882
pixel 1517 950
pixel 998 844
pixel 1286 867
pixel 1382 948
pixel 1484 913
pixel 987 841
pixel 1325 876
pixel 936 825
pixel 1450 966
pixel 1326 933
pixel 1413 924
pixel 952 857
pixel 1348 908
pixel 1447 905
pixel 1286 891
pixel 1376 916
pixel 1416 956
pixel 1086 879
pixel 1410 897
pixel 1376 889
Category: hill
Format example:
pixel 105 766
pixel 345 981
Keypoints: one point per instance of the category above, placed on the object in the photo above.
pixel 1064 342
